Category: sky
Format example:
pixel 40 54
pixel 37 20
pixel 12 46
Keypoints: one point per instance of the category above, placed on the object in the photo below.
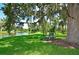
pixel 1 12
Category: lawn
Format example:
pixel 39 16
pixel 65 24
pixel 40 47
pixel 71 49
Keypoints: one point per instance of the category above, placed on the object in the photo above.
pixel 32 45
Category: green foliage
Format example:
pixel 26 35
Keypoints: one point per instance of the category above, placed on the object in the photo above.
pixel 16 12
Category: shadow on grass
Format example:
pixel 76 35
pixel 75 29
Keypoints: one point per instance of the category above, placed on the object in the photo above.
pixel 22 45
pixel 18 44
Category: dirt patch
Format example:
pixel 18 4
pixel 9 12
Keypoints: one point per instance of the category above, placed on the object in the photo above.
pixel 63 43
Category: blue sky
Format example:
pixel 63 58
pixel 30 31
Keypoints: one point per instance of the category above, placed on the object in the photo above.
pixel 1 12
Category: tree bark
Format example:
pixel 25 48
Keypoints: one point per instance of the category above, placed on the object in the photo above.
pixel 73 23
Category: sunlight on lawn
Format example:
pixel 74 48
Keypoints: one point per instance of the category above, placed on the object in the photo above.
pixel 31 44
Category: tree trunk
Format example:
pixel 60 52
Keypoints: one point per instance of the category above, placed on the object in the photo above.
pixel 73 23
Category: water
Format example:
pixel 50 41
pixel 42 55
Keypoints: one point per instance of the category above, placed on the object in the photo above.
pixel 2 36
pixel 17 34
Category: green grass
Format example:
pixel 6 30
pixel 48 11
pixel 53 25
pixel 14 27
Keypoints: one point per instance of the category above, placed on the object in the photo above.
pixel 32 45
pixel 60 35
